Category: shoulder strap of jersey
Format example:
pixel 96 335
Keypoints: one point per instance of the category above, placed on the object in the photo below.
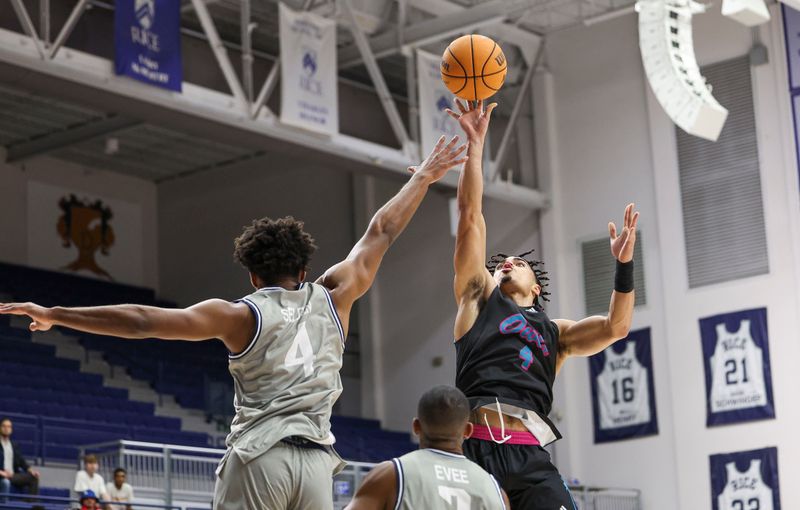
pixel 400 477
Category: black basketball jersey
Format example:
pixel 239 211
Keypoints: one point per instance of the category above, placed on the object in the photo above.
pixel 509 355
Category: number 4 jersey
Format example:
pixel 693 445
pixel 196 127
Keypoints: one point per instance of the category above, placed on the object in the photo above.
pixel 623 395
pixel 430 478
pixel 737 371
pixel 287 379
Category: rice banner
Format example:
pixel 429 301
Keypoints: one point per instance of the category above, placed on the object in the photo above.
pixel 433 98
pixel 308 71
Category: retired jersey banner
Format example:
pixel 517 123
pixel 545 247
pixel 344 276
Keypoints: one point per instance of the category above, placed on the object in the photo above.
pixel 309 97
pixel 85 234
pixel 147 41
pixel 736 361
pixel 433 97
pixel 623 393
pixel 745 480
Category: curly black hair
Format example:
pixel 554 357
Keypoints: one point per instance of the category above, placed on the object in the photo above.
pixel 272 249
pixel 540 274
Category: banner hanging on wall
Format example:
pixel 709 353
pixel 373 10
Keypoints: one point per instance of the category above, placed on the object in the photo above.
pixel 309 95
pixel 737 368
pixel 623 393
pixel 434 98
pixel 147 42
pixel 745 480
pixel 81 233
pixel 791 30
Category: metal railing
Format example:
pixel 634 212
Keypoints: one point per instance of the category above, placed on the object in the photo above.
pixel 168 471
pixel 173 472
pixel 12 501
pixel 596 498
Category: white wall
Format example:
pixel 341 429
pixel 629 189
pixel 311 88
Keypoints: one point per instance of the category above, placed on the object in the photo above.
pixel 14 181
pixel 604 142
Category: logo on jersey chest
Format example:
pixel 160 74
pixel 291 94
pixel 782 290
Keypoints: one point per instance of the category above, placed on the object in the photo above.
pixel 621 364
pixel 743 483
pixel 729 344
pixel 518 324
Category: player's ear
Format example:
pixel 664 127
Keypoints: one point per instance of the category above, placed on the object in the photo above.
pixel 416 426
pixel 254 281
pixel 468 429
pixel 537 289
pixel 303 274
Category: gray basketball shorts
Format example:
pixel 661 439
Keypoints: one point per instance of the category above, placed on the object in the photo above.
pixel 285 477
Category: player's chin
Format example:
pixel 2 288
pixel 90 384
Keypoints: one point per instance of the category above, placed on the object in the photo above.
pixel 505 279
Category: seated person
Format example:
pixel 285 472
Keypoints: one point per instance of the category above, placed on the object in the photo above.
pixel 119 491
pixel 89 501
pixel 14 470
pixel 88 478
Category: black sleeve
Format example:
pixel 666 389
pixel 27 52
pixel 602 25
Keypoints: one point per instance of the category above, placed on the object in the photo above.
pixel 19 460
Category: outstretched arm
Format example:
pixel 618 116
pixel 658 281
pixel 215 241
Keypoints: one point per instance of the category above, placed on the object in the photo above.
pixel 472 283
pixel 593 334
pixel 233 323
pixel 378 490
pixel 351 278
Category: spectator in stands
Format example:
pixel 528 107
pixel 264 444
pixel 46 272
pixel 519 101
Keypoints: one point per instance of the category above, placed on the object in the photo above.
pixel 88 480
pixel 119 491
pixel 15 470
pixel 89 501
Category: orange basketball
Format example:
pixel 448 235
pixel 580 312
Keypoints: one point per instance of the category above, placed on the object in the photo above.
pixel 473 67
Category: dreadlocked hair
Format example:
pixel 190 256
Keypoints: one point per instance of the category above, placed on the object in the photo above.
pixel 272 249
pixel 536 265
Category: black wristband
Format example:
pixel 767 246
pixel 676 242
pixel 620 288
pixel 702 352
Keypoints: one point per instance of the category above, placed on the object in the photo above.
pixel 623 277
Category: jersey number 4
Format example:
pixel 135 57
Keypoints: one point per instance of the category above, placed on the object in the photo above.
pixel 458 497
pixel 301 352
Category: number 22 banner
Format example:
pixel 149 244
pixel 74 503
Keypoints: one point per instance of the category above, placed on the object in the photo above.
pixel 737 369
pixel 623 396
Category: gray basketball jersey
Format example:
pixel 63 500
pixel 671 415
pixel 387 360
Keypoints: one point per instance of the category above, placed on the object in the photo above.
pixel 435 479
pixel 287 379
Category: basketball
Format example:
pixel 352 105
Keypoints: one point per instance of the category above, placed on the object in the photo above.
pixel 473 67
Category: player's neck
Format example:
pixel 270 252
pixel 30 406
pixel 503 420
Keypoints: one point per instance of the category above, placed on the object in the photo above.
pixel 522 298
pixel 288 283
pixel 445 446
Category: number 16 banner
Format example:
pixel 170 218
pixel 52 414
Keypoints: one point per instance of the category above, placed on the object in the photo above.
pixel 623 396
pixel 736 361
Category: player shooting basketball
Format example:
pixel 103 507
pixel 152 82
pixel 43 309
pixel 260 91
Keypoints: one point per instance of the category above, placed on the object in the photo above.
pixel 286 342
pixel 508 351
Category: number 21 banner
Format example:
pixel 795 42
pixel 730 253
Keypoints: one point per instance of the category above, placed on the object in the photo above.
pixel 736 361
pixel 623 396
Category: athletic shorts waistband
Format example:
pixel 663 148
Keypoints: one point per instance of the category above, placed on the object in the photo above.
pixel 519 437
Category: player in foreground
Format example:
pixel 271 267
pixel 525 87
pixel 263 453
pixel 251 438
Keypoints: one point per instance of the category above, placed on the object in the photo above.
pixel 286 342
pixel 508 351
pixel 437 475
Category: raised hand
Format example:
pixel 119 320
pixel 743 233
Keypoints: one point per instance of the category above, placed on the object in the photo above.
pixel 40 316
pixel 441 159
pixel 474 120
pixel 622 244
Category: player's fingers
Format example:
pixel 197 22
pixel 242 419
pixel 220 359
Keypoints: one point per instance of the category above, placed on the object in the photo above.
pixel 489 109
pixel 412 169
pixel 33 326
pixel 451 113
pixel 456 163
pixel 460 106
pixel 612 230
pixel 635 220
pixel 628 214
pixel 452 143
